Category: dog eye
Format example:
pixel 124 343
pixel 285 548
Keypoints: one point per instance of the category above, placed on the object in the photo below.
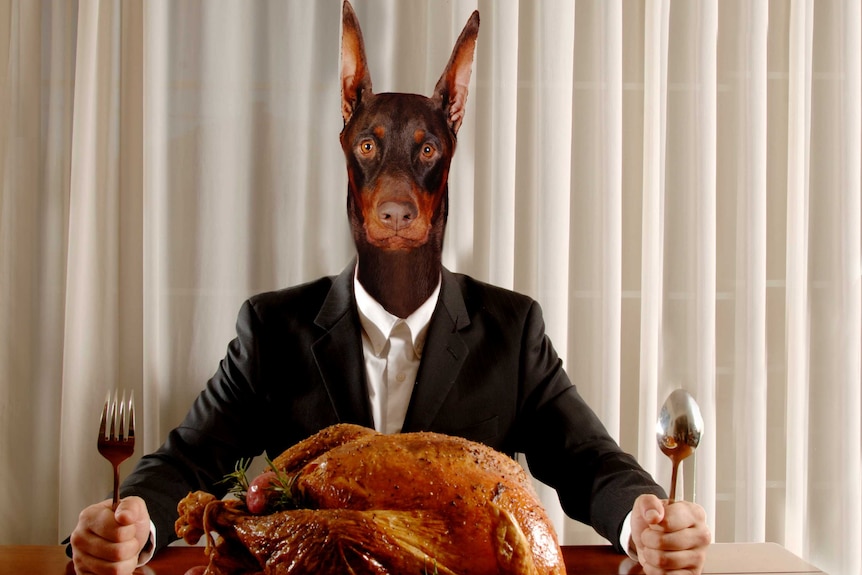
pixel 367 147
pixel 428 151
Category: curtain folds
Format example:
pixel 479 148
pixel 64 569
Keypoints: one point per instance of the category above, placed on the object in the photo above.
pixel 677 183
pixel 796 258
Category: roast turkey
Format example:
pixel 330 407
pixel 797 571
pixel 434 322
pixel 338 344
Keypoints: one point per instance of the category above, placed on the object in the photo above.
pixel 362 502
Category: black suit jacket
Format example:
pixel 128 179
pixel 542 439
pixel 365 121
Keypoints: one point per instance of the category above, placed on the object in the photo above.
pixel 488 373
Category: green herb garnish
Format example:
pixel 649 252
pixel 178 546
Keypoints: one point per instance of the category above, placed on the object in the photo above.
pixel 283 485
pixel 279 483
pixel 238 481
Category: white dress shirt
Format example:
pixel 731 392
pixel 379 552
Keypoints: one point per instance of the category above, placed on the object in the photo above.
pixel 393 350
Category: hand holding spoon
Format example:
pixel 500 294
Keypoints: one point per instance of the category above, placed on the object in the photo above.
pixel 678 431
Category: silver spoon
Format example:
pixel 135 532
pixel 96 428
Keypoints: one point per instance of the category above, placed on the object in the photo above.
pixel 678 430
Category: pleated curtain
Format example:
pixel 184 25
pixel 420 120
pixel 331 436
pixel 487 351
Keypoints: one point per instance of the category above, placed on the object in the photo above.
pixel 676 182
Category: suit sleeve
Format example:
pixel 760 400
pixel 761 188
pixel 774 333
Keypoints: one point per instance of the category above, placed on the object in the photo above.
pixel 224 424
pixel 568 447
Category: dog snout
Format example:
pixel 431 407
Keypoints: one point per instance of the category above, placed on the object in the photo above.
pixel 397 215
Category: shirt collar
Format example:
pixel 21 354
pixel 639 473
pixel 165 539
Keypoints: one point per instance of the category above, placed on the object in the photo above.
pixel 378 323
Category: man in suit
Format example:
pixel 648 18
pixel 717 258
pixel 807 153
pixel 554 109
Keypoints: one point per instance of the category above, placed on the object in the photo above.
pixel 399 343
pixel 488 373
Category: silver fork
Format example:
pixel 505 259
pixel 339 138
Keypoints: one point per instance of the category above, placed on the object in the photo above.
pixel 116 440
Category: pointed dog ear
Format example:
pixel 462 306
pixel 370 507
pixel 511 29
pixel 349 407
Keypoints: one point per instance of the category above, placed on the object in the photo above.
pixel 355 78
pixel 451 89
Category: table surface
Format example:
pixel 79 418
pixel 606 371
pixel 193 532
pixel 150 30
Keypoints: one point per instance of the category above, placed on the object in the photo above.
pixel 722 558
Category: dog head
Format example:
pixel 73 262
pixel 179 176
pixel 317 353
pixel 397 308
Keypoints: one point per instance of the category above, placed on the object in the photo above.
pixel 399 147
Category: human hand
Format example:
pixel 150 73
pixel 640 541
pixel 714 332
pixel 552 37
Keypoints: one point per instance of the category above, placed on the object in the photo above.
pixel 107 541
pixel 669 538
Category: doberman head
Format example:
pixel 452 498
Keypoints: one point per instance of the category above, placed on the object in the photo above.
pixel 398 149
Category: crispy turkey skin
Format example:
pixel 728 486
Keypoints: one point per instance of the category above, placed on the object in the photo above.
pixel 383 504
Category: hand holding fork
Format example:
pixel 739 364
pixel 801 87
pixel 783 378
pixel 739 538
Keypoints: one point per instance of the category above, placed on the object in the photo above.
pixel 116 440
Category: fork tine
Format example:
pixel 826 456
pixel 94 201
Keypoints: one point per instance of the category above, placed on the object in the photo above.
pixel 121 434
pixel 104 421
pixel 114 416
pixel 131 429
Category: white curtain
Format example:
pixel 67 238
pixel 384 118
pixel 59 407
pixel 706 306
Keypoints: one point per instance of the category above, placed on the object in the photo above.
pixel 677 183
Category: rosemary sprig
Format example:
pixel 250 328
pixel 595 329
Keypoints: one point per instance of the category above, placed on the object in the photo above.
pixel 238 481
pixel 283 485
pixel 279 483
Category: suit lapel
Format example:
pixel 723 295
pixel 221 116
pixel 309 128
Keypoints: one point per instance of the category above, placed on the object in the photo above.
pixel 338 353
pixel 442 357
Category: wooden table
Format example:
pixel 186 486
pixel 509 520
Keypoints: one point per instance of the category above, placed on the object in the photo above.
pixel 723 558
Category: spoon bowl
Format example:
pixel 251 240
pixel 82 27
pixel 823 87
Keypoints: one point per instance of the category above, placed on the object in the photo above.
pixel 678 431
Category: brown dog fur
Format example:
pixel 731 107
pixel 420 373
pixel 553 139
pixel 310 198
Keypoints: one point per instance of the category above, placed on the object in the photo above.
pixel 398 149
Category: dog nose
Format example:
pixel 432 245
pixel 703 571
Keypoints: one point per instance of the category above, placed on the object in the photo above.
pixel 397 215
